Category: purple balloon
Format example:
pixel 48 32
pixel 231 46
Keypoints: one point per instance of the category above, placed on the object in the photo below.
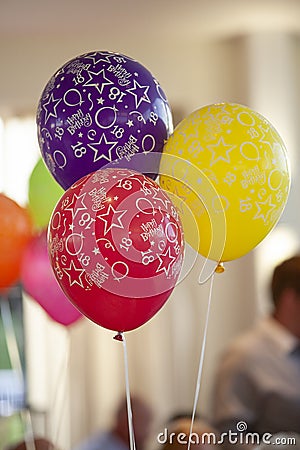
pixel 40 283
pixel 100 108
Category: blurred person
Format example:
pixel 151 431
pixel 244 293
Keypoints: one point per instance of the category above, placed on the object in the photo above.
pixel 258 381
pixel 177 435
pixel 118 437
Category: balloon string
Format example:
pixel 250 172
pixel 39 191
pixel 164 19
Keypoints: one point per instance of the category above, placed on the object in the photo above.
pixel 200 369
pixel 128 400
pixel 62 381
pixel 218 269
pixel 15 361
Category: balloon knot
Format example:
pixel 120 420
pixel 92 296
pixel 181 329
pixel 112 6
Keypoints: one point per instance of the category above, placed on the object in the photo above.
pixel 220 268
pixel 118 337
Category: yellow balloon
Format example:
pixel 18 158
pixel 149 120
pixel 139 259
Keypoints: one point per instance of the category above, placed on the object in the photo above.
pixel 229 174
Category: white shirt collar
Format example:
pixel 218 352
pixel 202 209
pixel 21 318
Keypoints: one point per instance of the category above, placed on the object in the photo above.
pixel 280 336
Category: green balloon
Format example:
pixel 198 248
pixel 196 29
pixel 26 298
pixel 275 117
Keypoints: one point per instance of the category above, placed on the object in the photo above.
pixel 43 194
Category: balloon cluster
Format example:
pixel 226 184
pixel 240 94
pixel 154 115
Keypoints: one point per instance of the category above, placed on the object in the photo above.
pixel 116 236
pixel 24 251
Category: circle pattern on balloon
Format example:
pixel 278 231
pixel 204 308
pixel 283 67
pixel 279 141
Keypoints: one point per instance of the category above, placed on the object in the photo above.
pixel 98 108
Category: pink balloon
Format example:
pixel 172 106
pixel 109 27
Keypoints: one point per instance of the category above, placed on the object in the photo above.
pixel 40 283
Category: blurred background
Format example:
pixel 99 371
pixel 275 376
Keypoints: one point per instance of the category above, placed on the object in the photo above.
pixel 202 52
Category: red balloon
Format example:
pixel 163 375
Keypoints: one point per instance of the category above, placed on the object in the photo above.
pixel 116 246
pixel 15 233
pixel 40 283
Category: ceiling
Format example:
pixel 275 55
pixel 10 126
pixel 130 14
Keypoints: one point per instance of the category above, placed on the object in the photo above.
pixel 176 39
pixel 175 18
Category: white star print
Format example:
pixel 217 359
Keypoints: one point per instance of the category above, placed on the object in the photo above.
pixel 165 261
pixel 220 151
pixel 50 107
pixel 112 215
pixel 74 273
pixel 96 57
pixel 76 204
pixel 264 209
pixel 140 93
pixel 103 148
pixel 99 82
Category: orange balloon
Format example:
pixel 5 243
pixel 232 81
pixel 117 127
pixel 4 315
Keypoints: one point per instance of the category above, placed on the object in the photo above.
pixel 15 233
